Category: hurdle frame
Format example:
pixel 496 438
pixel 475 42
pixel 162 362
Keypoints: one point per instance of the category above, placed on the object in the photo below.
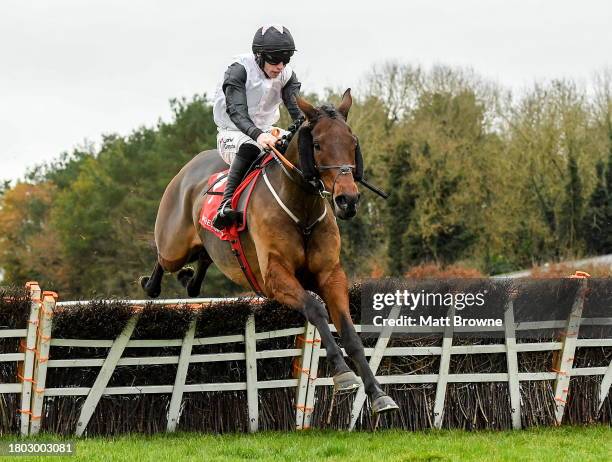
pixel 36 363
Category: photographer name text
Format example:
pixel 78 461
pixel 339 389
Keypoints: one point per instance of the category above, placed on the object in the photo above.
pixel 431 321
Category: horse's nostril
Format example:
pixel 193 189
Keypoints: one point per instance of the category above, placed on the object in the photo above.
pixel 341 201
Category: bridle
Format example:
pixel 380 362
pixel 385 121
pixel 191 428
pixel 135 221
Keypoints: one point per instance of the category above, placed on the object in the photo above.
pixel 313 185
pixel 343 169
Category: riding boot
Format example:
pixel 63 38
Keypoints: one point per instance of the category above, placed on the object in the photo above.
pixel 245 156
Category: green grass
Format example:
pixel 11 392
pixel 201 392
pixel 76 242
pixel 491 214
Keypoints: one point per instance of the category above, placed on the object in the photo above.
pixel 542 444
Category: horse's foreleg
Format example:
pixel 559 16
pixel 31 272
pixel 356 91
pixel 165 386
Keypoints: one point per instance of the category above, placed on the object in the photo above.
pixel 334 291
pixel 282 285
pixel 333 288
pixel 152 284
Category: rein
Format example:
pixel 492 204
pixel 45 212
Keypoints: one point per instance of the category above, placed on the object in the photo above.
pixel 285 164
pixel 317 189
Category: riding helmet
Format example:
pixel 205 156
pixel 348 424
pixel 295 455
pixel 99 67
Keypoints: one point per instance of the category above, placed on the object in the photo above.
pixel 269 39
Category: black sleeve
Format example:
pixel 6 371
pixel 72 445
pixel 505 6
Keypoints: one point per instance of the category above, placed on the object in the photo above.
pixel 290 91
pixel 234 88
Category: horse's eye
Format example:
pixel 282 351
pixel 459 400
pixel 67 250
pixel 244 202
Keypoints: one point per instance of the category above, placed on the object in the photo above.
pixel 317 146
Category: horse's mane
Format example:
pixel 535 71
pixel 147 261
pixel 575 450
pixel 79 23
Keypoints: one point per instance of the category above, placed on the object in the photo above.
pixel 325 110
pixel 328 110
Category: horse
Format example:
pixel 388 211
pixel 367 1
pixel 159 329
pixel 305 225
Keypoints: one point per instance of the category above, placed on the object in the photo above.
pixel 290 256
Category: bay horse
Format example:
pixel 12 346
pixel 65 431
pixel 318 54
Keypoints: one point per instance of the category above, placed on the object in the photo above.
pixel 287 256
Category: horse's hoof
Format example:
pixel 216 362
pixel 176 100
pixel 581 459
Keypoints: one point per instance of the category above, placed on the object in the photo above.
pixel 150 291
pixel 154 293
pixel 185 275
pixel 383 404
pixel 192 291
pixel 346 382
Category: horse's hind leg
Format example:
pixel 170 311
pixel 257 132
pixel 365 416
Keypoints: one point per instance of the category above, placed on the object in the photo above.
pixel 152 284
pixel 193 281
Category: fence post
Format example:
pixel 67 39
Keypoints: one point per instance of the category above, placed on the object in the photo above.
pixel 174 409
pixel 43 345
pixel 251 373
pixel 445 356
pixel 308 339
pixel 311 372
pixel 110 363
pixel 25 373
pixel 604 387
pixel 512 365
pixel 566 360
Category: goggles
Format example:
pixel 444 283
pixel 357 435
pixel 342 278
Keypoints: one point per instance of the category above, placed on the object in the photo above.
pixel 277 57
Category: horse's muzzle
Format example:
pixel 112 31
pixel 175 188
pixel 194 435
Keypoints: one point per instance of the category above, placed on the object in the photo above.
pixel 346 205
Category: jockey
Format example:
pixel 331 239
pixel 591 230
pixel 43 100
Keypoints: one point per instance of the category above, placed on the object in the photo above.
pixel 246 107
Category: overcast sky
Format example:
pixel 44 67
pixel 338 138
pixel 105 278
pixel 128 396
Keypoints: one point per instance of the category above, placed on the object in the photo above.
pixel 73 70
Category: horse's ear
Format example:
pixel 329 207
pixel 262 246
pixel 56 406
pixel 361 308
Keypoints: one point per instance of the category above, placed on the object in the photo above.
pixel 308 109
pixel 345 104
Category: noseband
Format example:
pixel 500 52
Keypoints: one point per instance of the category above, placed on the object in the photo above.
pixel 344 169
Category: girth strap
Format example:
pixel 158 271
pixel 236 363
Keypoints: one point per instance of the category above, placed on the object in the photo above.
pixel 238 252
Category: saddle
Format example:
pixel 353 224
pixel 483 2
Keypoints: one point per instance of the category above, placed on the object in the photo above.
pixel 240 202
pixel 240 199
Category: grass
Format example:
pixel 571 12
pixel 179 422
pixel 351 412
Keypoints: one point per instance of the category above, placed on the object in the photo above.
pixel 541 444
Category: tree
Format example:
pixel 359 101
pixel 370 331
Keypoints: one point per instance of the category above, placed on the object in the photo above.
pixel 598 218
pixel 29 246
pixel 553 143
pixel 446 137
pixel 400 206
pixel 572 210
